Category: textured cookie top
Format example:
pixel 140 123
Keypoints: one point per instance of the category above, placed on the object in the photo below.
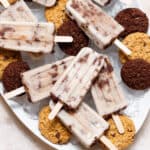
pixel 139 44
pixel 56 13
pixel 133 20
pixel 136 74
pixel 53 130
pixel 12 75
pixel 122 141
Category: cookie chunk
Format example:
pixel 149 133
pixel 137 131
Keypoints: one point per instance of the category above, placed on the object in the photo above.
pixel 7 57
pixel 80 40
pixel 121 141
pixel 12 75
pixel 53 130
pixel 139 44
pixel 136 74
pixel 133 20
pixel 56 13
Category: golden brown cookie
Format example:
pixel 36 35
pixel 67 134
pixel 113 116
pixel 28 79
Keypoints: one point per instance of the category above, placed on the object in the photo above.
pixel 139 44
pixel 12 1
pixel 122 141
pixel 7 57
pixel 56 13
pixel 54 130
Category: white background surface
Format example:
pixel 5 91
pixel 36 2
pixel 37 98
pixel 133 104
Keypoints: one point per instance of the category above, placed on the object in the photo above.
pixel 14 136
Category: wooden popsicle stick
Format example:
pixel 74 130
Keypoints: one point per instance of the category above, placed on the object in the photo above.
pixel 5 3
pixel 14 93
pixel 118 123
pixel 122 47
pixel 108 143
pixel 63 39
pixel 55 111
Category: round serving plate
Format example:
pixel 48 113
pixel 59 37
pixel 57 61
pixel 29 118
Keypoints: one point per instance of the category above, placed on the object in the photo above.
pixel 138 101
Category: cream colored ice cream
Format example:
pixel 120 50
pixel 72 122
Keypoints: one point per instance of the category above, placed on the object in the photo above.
pixel 106 92
pixel 84 123
pixel 75 82
pixel 27 36
pixel 100 27
pixel 39 81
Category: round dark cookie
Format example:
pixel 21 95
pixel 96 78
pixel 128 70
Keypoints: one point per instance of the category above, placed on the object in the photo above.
pixel 11 77
pixel 133 20
pixel 80 40
pixel 136 74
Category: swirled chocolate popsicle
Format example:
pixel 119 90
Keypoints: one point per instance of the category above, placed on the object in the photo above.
pixel 101 28
pixel 18 12
pixel 38 82
pixel 107 94
pixel 29 36
pixel 86 125
pixel 75 82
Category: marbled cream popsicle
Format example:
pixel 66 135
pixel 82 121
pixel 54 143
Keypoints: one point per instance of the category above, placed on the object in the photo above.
pixel 107 94
pixel 75 82
pixel 99 27
pixel 29 36
pixel 18 12
pixel 39 81
pixel 86 125
pixel 5 3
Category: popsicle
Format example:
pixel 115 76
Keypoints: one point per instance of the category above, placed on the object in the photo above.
pixel 107 94
pixel 75 82
pixel 86 125
pixel 29 36
pixel 5 3
pixel 39 81
pixel 46 3
pixel 18 12
pixel 102 2
pixel 98 26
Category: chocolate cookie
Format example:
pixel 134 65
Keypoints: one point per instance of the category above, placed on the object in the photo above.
pixel 133 20
pixel 56 13
pixel 136 74
pixel 80 40
pixel 121 141
pixel 11 77
pixel 53 130
pixel 139 44
pixel 7 57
